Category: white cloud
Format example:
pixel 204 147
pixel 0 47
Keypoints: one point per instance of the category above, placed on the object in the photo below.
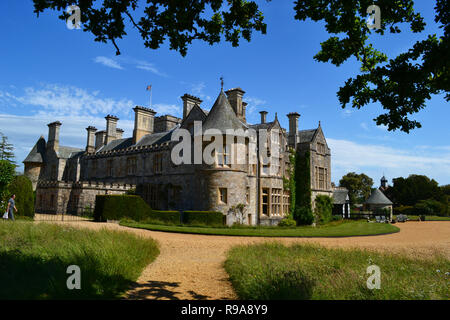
pixel 373 160
pixel 149 67
pixel 108 62
pixel 171 109
pixel 61 100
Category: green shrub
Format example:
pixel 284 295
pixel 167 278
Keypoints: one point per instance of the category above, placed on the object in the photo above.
pixel 165 217
pixel 22 187
pixel 324 208
pixel 6 176
pixel 428 207
pixel 116 207
pixel 119 207
pixel 288 222
pixel 303 216
pixel 203 218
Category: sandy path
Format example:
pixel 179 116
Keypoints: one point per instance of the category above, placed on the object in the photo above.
pixel 191 266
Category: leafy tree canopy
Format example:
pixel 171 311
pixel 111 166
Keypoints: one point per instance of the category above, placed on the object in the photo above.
pixel 359 186
pixel 401 84
pixel 411 190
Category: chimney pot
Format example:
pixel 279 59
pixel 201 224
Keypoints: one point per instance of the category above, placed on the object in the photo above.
pixel 263 116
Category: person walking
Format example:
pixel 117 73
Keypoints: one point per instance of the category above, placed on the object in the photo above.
pixel 11 207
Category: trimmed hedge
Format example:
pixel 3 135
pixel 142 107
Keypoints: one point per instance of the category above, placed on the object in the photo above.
pixel 165 217
pixel 208 218
pixel 116 207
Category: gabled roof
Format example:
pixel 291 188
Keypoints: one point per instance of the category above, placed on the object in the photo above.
pixel 222 116
pixel 196 114
pixel 340 196
pixel 378 197
pixel 307 135
pixel 37 154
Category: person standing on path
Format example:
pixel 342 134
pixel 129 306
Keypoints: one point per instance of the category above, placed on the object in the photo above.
pixel 11 207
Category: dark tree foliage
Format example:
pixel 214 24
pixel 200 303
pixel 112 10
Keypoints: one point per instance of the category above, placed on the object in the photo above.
pixel 179 21
pixel 409 191
pixel 302 211
pixel 21 186
pixel 359 186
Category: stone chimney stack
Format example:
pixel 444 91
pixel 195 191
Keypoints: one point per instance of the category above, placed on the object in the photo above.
pixel 188 103
pixel 100 139
pixel 293 137
pixel 143 122
pixel 263 116
pixel 235 98
pixel 111 128
pixel 119 133
pixel 90 144
pixel 53 136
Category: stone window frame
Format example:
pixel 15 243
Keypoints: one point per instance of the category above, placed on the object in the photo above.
pixel 131 165
pixel 223 195
pixel 221 156
pixel 158 163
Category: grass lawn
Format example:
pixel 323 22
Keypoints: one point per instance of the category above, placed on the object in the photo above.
pixel 274 271
pixel 333 229
pixel 34 260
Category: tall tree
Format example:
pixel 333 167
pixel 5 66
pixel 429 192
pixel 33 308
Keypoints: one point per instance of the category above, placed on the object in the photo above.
pixel 359 186
pixel 6 149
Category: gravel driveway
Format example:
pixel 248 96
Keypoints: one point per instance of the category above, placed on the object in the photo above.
pixel 191 266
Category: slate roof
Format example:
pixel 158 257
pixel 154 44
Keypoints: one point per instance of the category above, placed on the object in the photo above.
pixel 68 152
pixel 117 144
pixel 340 196
pixel 378 197
pixel 37 154
pixel 222 116
pixel 155 138
pixel 307 135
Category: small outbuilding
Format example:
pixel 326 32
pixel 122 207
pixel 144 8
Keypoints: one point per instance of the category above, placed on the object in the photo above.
pixel 341 202
pixel 378 201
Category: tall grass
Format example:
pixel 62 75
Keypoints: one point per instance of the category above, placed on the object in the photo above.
pixel 274 271
pixel 34 259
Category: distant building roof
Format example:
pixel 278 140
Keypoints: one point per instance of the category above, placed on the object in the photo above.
pixel 340 196
pixel 378 197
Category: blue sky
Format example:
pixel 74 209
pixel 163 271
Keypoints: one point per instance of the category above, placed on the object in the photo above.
pixel 48 73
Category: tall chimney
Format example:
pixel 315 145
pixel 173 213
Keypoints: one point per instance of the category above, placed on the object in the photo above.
pixel 90 144
pixel 119 133
pixel 53 136
pixel 111 128
pixel 293 137
pixel 263 116
pixel 143 122
pixel 100 138
pixel 189 102
pixel 235 98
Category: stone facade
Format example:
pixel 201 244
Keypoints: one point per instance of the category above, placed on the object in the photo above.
pixel 68 179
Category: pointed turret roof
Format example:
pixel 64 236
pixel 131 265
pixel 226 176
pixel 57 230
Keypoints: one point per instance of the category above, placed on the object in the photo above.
pixel 222 116
pixel 37 154
pixel 378 197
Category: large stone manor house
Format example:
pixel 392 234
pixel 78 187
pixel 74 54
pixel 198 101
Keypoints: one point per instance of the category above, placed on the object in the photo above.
pixel 67 179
